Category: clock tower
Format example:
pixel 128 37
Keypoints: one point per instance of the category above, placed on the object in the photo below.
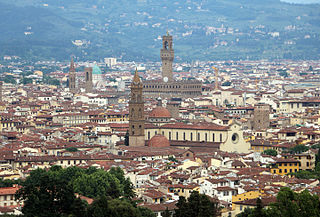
pixel 167 56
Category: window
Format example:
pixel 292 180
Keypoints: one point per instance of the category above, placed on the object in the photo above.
pixel 198 136
pixel 285 170
pixel 184 136
pixel 177 136
pixel 206 137
pixel 148 135
pixel 280 170
pixel 190 136
pixel 212 137
pixel 169 135
pixel 220 137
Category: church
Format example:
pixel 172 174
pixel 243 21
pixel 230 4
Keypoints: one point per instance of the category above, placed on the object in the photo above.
pixel 160 132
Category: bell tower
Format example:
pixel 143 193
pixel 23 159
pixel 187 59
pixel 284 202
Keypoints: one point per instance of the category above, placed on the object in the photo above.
pixel 72 77
pixel 88 81
pixel 167 56
pixel 136 113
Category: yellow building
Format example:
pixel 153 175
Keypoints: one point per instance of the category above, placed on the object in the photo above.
pixel 285 166
pixel 240 206
pixel 183 190
pixel 307 160
pixel 246 196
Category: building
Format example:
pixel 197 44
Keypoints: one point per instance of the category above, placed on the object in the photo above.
pixel 88 79
pixel 7 196
pixel 168 87
pixel 97 77
pixel 199 135
pixel 285 166
pixel 110 61
pixel 261 119
pixel 136 113
pixel 72 77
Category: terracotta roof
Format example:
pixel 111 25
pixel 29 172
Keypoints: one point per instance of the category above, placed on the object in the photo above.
pixel 160 112
pixel 8 190
pixel 159 141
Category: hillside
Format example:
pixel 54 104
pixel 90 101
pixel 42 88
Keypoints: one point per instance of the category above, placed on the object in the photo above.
pixel 202 29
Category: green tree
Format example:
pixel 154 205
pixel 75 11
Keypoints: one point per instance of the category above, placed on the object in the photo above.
pixel 166 213
pixel 197 205
pixel 270 152
pixel 72 149
pixel 27 80
pixel 299 149
pixel 145 212
pixel 9 79
pixel 45 191
pixel 123 208
pixel 99 208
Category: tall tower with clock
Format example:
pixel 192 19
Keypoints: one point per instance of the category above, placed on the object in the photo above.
pixel 136 113
pixel 167 56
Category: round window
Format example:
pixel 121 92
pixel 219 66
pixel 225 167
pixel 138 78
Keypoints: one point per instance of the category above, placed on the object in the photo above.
pixel 235 138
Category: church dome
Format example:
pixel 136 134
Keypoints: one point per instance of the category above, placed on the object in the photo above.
pixel 96 70
pixel 158 141
pixel 160 112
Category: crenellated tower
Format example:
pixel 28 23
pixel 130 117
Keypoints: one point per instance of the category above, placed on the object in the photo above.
pixel 167 56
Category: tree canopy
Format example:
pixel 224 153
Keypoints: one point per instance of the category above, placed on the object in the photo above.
pixel 55 192
pixel 197 205
pixel 270 152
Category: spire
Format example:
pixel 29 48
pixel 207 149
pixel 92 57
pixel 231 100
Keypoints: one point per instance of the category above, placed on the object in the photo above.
pixel 136 78
pixel 72 67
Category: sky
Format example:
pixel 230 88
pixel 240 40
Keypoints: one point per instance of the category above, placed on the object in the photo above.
pixel 302 1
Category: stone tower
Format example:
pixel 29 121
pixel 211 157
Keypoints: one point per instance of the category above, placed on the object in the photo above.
pixel 72 77
pixel 1 90
pixel 167 56
pixel 88 81
pixel 136 113
pixel 261 119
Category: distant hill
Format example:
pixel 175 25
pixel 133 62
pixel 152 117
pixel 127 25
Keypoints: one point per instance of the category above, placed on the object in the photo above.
pixel 202 29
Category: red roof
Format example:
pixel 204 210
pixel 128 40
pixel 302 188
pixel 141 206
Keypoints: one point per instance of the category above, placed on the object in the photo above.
pixel 159 141
pixel 160 112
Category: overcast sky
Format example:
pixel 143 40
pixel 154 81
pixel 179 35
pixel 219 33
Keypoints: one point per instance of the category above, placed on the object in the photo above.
pixel 302 1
